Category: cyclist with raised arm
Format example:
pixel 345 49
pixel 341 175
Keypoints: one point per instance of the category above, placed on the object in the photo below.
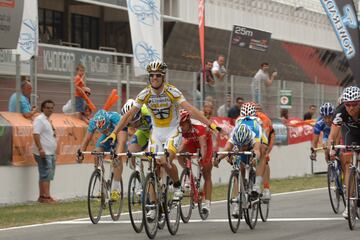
pixel 197 137
pixel 347 120
pixel 105 122
pixel 163 101
pixel 269 131
pixel 242 138
pixel 323 124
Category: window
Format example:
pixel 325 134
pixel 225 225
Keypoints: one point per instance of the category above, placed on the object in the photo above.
pixel 85 31
pixel 50 25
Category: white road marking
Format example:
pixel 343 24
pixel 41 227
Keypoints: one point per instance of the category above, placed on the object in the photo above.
pixel 87 221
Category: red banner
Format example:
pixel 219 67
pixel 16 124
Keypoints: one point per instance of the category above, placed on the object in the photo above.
pixel 300 131
pixel 202 32
pixel 225 123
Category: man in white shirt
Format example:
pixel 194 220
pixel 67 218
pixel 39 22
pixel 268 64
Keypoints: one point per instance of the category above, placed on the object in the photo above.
pixel 218 68
pixel 44 150
pixel 224 109
pixel 260 78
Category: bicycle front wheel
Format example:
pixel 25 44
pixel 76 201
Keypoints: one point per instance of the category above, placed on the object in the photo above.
pixel 334 193
pixel 353 198
pixel 187 201
pixel 95 197
pixel 135 193
pixel 115 206
pixel 150 207
pixel 264 207
pixel 234 206
pixel 252 211
pixel 172 208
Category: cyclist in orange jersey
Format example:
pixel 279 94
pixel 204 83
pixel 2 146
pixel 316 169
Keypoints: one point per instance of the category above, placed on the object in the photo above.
pixel 266 124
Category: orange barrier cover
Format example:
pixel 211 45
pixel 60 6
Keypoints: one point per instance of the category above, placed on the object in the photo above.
pixel 70 132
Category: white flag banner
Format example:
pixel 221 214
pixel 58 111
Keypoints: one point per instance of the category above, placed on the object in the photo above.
pixel 29 34
pixel 146 33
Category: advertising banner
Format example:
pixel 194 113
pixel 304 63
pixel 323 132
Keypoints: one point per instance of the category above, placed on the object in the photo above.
pixel 299 131
pixel 225 123
pixel 250 38
pixel 5 139
pixel 146 33
pixel 11 12
pixel 281 133
pixel 343 18
pixel 29 34
pixel 69 133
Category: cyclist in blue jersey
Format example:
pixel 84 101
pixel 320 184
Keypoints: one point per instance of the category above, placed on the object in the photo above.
pixel 104 122
pixel 323 124
pixel 257 144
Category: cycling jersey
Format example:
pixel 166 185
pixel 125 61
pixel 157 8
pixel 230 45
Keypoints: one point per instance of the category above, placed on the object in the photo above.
pixel 350 127
pixel 164 107
pixel 114 119
pixel 192 144
pixel 321 126
pixel 141 136
pixel 255 125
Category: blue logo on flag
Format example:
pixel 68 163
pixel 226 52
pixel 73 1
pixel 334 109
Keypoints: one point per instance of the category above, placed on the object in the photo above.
pixel 145 53
pixel 27 40
pixel 146 11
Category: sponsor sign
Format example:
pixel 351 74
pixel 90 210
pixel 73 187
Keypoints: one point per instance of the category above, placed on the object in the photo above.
pixel 343 18
pixel 285 98
pixel 281 133
pixel 11 12
pixel 62 61
pixel 299 131
pixel 227 124
pixel 250 38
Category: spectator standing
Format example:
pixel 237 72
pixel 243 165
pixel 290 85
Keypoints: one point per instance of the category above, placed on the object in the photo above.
pixel 209 86
pixel 234 112
pixel 67 108
pixel 284 115
pixel 218 68
pixel 223 109
pixel 310 113
pixel 261 77
pixel 208 109
pixel 44 149
pixel 79 88
pixel 25 106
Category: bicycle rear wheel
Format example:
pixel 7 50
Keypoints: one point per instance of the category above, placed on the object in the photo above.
pixel 201 198
pixel 150 188
pixel 172 208
pixel 95 197
pixel 353 198
pixel 253 211
pixel 187 201
pixel 234 207
pixel 135 193
pixel 115 207
pixel 264 206
pixel 333 190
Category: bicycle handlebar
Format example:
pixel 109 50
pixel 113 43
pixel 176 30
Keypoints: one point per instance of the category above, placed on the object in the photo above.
pixel 348 147
pixel 234 153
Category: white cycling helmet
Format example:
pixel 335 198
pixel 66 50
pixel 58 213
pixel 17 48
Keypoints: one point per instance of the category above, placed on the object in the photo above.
pixel 127 106
pixel 156 66
pixel 351 94
pixel 247 109
pixel 327 109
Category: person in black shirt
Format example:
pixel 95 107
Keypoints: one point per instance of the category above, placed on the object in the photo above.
pixel 311 111
pixel 347 120
pixel 234 112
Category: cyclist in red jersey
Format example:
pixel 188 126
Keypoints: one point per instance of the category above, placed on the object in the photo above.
pixel 195 137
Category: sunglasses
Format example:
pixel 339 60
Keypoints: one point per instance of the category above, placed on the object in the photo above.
pixel 157 75
pixel 351 104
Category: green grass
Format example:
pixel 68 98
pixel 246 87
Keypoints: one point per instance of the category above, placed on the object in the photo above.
pixel 32 213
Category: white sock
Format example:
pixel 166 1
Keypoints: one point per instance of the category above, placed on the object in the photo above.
pixel 115 185
pixel 258 181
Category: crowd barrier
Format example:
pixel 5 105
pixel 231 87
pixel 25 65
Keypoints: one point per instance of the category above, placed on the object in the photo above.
pixel 16 137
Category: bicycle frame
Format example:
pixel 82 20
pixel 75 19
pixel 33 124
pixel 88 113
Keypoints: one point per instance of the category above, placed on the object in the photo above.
pixel 194 181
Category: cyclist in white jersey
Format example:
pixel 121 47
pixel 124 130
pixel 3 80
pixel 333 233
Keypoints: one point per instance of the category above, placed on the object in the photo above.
pixel 163 101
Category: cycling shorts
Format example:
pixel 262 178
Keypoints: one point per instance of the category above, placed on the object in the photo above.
pixel 165 138
pixel 190 147
pixel 141 138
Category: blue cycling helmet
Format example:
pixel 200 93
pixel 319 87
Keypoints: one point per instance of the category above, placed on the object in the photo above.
pixel 327 109
pixel 243 135
pixel 102 120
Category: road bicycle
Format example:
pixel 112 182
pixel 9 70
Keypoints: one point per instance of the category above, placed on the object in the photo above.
pixel 158 195
pixel 240 203
pixel 192 188
pixel 100 187
pixel 335 184
pixel 353 195
pixel 135 191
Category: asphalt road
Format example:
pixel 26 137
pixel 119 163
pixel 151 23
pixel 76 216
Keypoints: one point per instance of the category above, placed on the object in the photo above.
pixel 302 215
